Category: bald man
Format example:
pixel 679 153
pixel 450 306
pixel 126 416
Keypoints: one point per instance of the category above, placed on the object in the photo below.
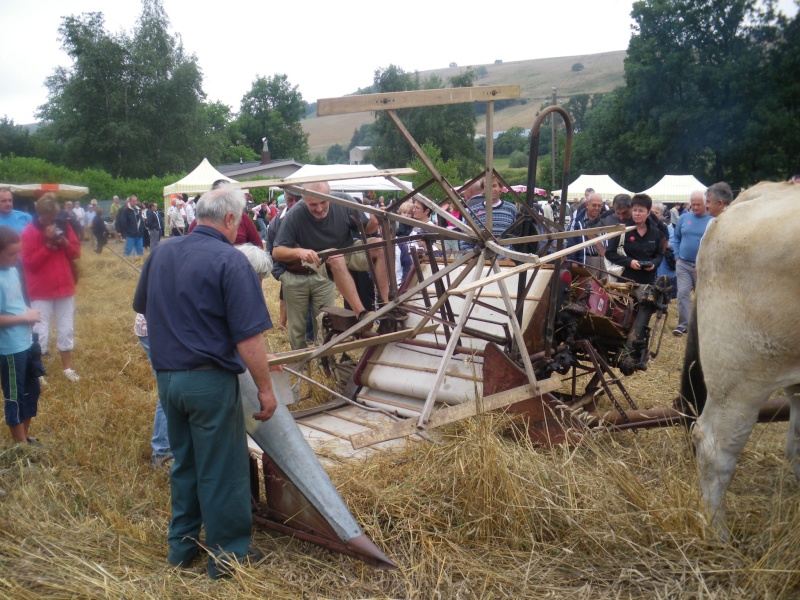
pixel 314 225
pixel 688 233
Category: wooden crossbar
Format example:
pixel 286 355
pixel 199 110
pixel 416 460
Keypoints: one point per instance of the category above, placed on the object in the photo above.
pixel 415 99
pixel 288 181
pixel 451 414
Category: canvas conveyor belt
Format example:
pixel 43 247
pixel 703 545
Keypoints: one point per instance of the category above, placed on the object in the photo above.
pixel 396 377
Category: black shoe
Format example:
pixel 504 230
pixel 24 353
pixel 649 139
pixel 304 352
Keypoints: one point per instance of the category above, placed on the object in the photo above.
pixel 186 563
pixel 33 441
pixel 679 331
pixel 222 566
pixel 254 556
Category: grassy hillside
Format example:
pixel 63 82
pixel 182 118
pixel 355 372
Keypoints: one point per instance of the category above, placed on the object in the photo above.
pixel 601 73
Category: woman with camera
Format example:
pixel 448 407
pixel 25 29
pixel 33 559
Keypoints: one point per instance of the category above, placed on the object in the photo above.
pixel 642 250
pixel 49 249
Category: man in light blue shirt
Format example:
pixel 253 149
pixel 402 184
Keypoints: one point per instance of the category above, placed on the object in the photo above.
pixel 688 233
pixel 16 219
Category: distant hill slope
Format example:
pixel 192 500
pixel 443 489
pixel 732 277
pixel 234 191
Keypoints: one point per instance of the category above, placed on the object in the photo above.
pixel 601 73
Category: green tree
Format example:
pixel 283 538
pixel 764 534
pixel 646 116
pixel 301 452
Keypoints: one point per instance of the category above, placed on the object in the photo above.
pixel 363 136
pixel 389 149
pixel 778 156
pixel 694 77
pixel 338 155
pixel 317 159
pixel 128 104
pixel 14 139
pixel 577 106
pixel 272 109
pixel 451 128
pixel 223 142
pixel 168 86
pixel 449 169
pixel 518 160
pixel 510 141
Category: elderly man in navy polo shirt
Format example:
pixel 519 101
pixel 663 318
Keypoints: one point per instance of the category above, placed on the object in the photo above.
pixel 206 312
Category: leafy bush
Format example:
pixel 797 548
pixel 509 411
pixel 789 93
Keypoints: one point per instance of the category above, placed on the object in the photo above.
pixel 518 160
pixel 101 185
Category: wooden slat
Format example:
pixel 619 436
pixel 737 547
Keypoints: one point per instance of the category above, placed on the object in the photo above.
pixel 452 414
pixel 454 375
pixel 556 235
pixel 289 181
pixel 387 402
pixel 415 99
pixel 297 355
pixel 466 288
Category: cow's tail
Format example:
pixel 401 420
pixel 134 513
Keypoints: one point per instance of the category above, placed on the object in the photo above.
pixel 693 385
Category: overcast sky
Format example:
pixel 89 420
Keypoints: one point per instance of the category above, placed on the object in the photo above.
pixel 328 49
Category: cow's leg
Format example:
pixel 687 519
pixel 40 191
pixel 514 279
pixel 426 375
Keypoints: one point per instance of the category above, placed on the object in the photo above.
pixel 793 435
pixel 719 436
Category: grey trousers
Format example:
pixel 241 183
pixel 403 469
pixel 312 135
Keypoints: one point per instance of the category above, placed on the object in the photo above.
pixel 300 291
pixel 687 278
pixel 155 236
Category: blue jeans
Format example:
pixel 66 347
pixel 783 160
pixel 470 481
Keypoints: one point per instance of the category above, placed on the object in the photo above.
pixel 160 440
pixel 134 244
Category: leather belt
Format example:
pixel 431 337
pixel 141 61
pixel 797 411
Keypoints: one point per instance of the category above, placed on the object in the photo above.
pixel 206 367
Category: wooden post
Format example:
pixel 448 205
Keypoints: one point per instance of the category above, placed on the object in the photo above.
pixel 488 197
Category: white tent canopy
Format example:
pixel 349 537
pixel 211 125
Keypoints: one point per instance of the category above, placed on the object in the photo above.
pixel 363 184
pixel 61 190
pixel 675 188
pixel 602 184
pixel 198 181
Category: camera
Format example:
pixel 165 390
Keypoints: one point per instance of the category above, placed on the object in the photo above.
pixel 645 264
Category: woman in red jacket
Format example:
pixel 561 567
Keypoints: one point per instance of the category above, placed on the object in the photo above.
pixel 48 248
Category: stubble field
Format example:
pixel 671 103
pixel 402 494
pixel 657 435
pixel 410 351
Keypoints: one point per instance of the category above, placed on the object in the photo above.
pixel 476 515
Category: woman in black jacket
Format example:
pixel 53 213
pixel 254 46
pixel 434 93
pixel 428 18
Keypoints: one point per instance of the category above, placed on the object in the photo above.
pixel 643 246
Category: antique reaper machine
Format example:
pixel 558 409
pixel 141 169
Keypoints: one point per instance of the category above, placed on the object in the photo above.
pixel 508 324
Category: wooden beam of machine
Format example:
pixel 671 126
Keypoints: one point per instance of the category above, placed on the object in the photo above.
pixel 451 414
pixel 415 99
pixel 287 181
pixel 285 358
pixel 524 267
pixel 562 235
pixel 446 296
pixel 454 198
pixel 517 331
